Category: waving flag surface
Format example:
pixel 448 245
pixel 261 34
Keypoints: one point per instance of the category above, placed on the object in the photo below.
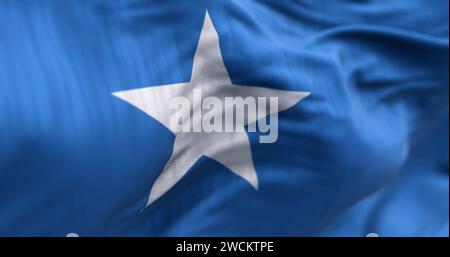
pixel 362 144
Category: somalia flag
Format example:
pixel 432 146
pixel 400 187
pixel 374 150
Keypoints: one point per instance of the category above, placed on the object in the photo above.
pixel 224 118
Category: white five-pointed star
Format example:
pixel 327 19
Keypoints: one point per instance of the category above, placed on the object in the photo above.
pixel 231 149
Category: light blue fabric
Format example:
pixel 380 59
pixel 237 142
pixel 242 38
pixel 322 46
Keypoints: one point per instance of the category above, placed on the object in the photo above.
pixel 73 158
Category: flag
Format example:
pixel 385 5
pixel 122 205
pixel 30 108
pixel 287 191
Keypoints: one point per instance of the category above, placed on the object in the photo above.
pixel 88 146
